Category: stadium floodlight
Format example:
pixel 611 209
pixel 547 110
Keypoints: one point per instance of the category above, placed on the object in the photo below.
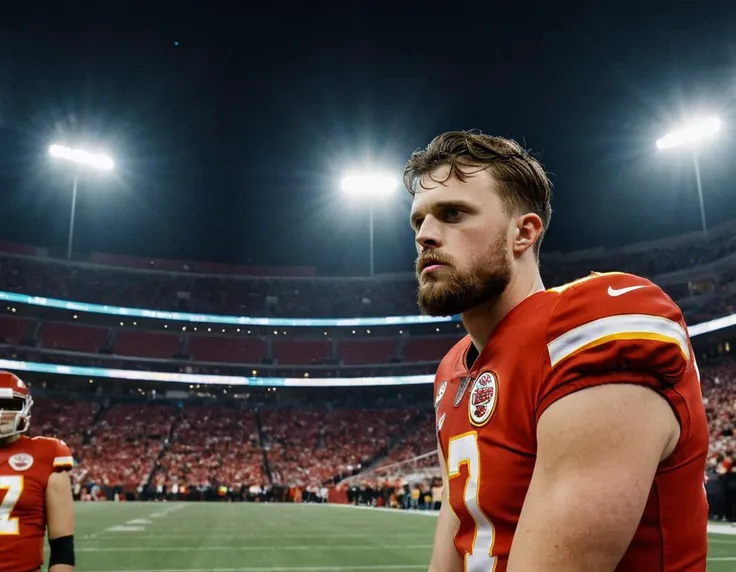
pixel 369 186
pixel 82 160
pixel 82 157
pixel 691 135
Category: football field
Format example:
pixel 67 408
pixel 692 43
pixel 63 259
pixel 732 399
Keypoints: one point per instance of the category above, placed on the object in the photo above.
pixel 242 537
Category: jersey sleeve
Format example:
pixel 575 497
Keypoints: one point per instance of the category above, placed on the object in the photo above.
pixel 63 459
pixel 614 328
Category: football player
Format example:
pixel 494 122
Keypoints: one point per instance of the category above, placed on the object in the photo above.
pixel 571 430
pixel 35 489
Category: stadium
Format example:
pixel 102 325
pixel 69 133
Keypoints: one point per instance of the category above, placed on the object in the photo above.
pixel 211 286
pixel 169 385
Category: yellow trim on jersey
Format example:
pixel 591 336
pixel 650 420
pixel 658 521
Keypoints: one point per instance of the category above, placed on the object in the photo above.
pixel 621 327
pixel 476 477
pixel 63 461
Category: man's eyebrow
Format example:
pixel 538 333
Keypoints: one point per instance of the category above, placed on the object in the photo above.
pixel 440 205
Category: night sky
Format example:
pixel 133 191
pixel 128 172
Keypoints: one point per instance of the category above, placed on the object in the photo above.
pixel 231 125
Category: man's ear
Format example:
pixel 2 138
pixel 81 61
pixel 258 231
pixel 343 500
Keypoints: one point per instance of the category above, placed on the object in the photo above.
pixel 529 229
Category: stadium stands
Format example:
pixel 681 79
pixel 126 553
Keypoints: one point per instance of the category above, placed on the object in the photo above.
pixel 171 441
pixel 427 349
pixel 64 419
pixel 13 329
pixel 368 351
pixel 302 352
pixel 226 349
pixel 139 343
pixel 60 336
pixel 183 290
pixel 213 445
pixel 130 444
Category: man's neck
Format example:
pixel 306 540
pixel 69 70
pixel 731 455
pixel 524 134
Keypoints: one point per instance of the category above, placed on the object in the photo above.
pixel 483 319
pixel 5 441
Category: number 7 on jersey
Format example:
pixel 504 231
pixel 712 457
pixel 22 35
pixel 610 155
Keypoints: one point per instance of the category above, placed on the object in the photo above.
pixel 12 486
pixel 463 450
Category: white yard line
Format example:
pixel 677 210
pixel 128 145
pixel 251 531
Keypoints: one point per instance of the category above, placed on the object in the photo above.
pixel 346 568
pixel 715 528
pixel 244 548
pixel 382 509
pixel 250 536
pixel 135 524
pixel 168 510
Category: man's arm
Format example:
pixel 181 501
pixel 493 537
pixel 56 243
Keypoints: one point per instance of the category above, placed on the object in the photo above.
pixel 444 555
pixel 598 451
pixel 60 522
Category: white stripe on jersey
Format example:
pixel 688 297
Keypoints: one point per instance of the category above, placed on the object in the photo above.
pixel 623 326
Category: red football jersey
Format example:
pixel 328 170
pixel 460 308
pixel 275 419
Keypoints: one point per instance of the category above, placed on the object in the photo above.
pixel 605 328
pixel 25 467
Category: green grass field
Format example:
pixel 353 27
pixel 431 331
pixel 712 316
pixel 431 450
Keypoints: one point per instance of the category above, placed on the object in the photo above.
pixel 193 537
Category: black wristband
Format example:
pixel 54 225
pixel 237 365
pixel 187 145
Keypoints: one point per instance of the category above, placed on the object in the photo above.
pixel 62 551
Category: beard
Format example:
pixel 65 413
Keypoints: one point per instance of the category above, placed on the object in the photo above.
pixel 7 427
pixel 452 292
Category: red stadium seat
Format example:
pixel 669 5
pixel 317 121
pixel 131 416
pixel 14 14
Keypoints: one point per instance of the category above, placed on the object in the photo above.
pixel 146 344
pixel 12 329
pixel 428 348
pixel 371 351
pixel 226 349
pixel 59 336
pixel 301 352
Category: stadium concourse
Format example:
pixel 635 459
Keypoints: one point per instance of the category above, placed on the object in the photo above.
pixel 192 381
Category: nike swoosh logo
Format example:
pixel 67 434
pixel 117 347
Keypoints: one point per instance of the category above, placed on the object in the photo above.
pixel 622 291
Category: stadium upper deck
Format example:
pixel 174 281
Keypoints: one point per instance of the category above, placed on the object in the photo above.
pixel 700 273
pixel 689 266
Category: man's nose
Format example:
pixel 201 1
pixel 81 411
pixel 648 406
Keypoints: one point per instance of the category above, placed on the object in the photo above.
pixel 429 234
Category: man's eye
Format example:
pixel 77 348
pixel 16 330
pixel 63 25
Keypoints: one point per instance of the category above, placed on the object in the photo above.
pixel 452 214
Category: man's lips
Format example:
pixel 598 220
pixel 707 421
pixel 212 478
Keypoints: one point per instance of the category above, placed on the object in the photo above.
pixel 432 267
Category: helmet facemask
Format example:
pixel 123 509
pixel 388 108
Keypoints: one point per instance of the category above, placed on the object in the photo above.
pixel 15 414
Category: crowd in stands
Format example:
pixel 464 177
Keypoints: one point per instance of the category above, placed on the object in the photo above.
pixel 380 456
pixel 318 297
pixel 123 446
pixel 126 447
pixel 414 446
pixel 719 396
pixel 212 445
pixel 402 478
pixel 385 453
pixel 306 447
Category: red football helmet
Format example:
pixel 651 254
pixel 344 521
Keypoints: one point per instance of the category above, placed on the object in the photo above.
pixel 15 405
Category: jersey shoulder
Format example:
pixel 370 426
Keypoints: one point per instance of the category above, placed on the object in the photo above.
pixel 614 327
pixel 55 451
pixel 614 305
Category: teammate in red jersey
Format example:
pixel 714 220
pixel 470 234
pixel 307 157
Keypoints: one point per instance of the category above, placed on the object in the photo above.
pixel 571 429
pixel 35 490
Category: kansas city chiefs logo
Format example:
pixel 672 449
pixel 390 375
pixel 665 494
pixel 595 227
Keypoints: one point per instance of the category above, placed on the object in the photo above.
pixel 483 396
pixel 21 462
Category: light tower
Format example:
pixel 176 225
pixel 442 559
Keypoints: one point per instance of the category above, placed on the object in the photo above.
pixel 691 135
pixel 81 159
pixel 369 186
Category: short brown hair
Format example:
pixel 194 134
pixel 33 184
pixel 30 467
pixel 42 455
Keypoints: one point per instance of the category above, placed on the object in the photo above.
pixel 524 187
